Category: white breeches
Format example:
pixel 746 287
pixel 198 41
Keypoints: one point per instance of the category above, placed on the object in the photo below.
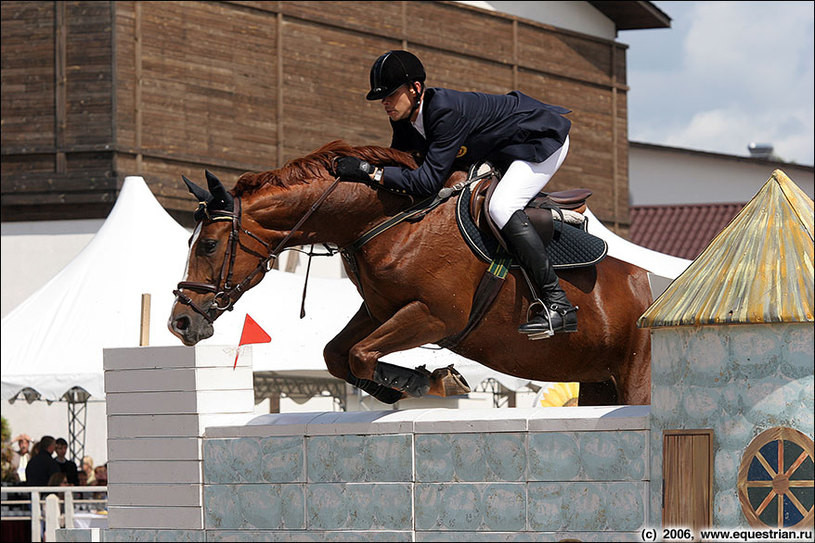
pixel 522 182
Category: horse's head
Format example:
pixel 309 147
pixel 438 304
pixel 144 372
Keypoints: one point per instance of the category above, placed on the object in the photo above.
pixel 235 243
pixel 225 260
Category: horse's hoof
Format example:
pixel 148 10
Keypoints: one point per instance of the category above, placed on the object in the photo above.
pixel 453 383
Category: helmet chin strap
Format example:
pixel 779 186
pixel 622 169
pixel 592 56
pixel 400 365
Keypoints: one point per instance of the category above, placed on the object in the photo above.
pixel 418 101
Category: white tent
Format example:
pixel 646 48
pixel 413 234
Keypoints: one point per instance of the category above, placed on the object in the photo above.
pixel 53 341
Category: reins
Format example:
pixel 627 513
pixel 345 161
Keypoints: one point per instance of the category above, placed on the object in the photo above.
pixel 415 212
pixel 227 293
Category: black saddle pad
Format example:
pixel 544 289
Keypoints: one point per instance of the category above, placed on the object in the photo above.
pixel 571 247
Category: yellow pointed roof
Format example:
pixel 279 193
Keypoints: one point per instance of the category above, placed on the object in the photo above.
pixel 757 270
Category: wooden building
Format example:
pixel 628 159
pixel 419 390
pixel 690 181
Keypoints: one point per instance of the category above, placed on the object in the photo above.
pixel 95 91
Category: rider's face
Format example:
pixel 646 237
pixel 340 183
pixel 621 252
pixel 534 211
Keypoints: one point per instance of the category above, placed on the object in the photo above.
pixel 398 104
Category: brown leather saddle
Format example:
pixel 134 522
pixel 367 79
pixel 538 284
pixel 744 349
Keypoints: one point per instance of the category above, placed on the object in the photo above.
pixel 539 210
pixel 569 244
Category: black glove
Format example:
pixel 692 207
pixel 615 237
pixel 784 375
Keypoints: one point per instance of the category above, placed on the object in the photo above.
pixel 349 168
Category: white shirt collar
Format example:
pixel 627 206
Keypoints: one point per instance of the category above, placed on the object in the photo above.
pixel 419 124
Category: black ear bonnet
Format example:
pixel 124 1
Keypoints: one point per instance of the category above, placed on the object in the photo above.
pixel 210 202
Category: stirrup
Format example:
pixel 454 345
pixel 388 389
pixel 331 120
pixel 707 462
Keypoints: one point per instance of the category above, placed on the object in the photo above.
pixel 545 315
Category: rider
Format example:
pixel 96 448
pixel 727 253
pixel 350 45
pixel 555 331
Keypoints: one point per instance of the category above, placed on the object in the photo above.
pixel 447 129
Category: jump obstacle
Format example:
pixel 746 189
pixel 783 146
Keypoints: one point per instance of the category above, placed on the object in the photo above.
pixel 732 408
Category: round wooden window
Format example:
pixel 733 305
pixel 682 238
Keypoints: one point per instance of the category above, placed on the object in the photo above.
pixel 775 480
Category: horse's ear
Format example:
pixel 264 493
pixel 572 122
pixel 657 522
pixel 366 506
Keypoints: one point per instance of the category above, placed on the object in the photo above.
pixel 200 194
pixel 222 199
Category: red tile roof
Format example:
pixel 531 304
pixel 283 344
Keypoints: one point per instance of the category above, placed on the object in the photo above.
pixel 680 230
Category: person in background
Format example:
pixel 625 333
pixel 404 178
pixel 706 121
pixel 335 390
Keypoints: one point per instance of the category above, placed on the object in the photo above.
pixel 58 479
pixel 79 496
pixel 42 466
pixel 20 457
pixel 87 467
pixel 101 474
pixel 66 466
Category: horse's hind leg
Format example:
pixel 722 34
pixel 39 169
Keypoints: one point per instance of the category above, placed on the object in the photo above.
pixel 412 326
pixel 603 393
pixel 634 379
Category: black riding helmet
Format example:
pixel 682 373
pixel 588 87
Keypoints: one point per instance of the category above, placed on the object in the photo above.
pixel 391 71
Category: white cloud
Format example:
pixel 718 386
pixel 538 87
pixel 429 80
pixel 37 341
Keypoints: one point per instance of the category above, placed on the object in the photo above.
pixel 745 73
pixel 731 130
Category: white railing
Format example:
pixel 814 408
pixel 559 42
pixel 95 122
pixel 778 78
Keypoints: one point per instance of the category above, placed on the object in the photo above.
pixel 51 505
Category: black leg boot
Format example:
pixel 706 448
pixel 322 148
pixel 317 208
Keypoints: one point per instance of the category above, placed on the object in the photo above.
pixel 380 392
pixel 558 314
pixel 414 383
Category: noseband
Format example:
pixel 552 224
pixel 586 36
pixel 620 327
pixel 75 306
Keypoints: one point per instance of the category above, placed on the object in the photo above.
pixel 226 295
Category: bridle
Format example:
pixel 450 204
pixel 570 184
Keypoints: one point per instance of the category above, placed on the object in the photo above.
pixel 226 294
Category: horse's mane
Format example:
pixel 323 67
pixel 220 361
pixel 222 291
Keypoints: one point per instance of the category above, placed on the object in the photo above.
pixel 316 164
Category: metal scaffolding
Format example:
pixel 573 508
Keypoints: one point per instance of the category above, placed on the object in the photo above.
pixel 272 385
pixel 77 399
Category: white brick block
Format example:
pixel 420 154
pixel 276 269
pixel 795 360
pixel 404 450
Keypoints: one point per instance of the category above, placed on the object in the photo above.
pixel 146 403
pixel 131 358
pixel 224 378
pixel 130 426
pixel 188 402
pixel 156 495
pixel 147 448
pixel 154 471
pixel 178 379
pixel 150 380
pixel 180 518
pixel 222 356
pixel 226 401
pixel 200 356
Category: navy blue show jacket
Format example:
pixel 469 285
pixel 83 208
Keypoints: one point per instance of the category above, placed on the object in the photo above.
pixel 463 128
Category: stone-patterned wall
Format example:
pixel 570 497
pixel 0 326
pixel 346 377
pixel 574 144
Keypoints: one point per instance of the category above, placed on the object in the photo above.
pixel 739 380
pixel 430 475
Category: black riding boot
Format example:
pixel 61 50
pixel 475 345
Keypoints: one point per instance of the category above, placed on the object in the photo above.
pixel 558 314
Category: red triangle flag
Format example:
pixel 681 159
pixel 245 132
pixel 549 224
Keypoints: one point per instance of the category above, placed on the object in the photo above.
pixel 252 333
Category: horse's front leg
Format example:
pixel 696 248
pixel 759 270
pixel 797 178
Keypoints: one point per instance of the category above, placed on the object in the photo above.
pixel 412 326
pixel 336 351
pixel 336 355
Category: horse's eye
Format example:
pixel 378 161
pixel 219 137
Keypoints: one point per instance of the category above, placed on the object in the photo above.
pixel 209 245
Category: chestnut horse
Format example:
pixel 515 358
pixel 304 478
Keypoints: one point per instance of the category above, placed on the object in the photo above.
pixel 417 280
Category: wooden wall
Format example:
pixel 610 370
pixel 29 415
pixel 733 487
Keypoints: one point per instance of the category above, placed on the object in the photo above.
pixel 57 123
pixel 95 91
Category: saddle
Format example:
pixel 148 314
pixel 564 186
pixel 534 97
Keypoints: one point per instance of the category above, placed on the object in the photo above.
pixel 541 210
pixel 568 243
pixel 556 216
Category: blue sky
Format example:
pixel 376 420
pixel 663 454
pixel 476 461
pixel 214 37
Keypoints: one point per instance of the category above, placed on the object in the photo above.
pixel 724 75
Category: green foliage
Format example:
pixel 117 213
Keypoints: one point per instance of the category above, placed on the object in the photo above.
pixel 7 475
pixel 6 429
